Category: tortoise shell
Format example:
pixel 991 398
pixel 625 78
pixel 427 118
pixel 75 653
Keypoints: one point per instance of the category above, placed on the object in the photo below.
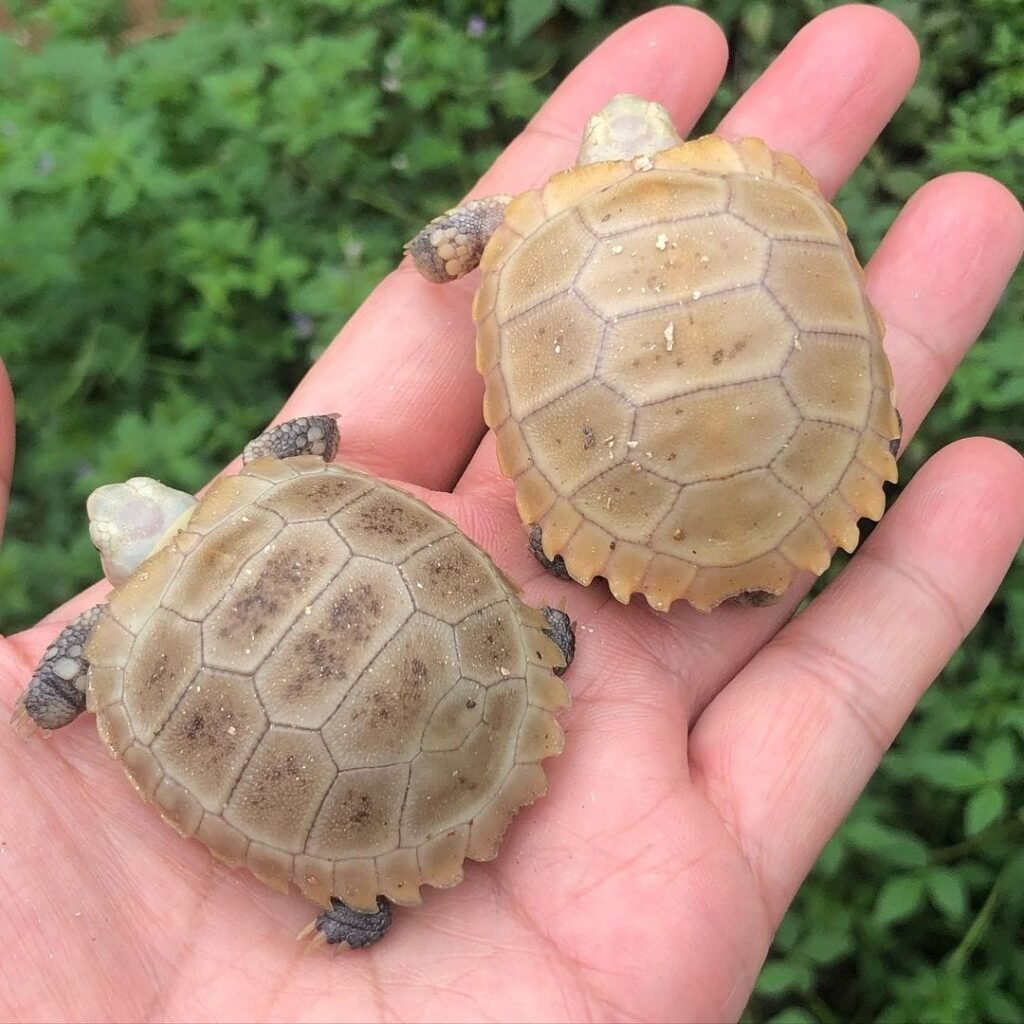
pixel 321 679
pixel 684 373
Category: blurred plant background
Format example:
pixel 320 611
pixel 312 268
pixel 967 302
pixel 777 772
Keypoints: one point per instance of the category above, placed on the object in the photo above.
pixel 194 196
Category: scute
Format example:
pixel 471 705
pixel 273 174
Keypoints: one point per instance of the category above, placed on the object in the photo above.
pixel 282 711
pixel 735 424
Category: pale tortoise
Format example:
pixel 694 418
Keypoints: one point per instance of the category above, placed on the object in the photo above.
pixel 683 371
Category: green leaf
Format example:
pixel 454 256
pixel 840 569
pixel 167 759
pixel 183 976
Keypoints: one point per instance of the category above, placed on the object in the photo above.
pixel 947 892
pixel 955 773
pixel 792 1015
pixel 1002 1007
pixel 523 17
pixel 1000 758
pixel 757 20
pixel 779 976
pixel 584 8
pixel 899 898
pixel 983 808
pixel 902 849
pixel 826 945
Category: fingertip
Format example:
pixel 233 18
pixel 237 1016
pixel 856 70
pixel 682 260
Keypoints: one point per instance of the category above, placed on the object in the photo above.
pixel 878 24
pixel 976 193
pixel 984 467
pixel 939 272
pixel 826 97
pixel 675 55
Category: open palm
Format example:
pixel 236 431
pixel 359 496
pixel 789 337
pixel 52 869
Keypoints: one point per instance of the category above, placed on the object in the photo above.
pixel 708 757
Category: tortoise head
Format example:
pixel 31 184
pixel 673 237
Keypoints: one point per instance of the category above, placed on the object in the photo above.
pixel 626 127
pixel 128 522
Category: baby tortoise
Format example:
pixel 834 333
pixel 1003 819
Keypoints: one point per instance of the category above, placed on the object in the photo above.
pixel 683 371
pixel 314 674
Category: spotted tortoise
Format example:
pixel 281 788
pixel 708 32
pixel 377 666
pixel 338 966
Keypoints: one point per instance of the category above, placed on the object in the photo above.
pixel 315 675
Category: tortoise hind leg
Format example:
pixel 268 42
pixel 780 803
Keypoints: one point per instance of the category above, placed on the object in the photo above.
pixel 555 566
pixel 343 924
pixel 305 435
pixel 55 696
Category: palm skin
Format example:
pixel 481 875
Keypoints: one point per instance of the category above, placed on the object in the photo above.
pixel 708 757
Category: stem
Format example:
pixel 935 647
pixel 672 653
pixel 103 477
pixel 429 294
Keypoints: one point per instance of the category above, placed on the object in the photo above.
pixel 958 958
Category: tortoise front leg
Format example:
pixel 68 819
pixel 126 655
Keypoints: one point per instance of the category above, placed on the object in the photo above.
pixel 343 924
pixel 55 696
pixel 305 435
pixel 451 245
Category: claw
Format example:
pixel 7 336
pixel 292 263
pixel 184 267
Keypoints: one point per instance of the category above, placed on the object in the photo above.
pixel 23 723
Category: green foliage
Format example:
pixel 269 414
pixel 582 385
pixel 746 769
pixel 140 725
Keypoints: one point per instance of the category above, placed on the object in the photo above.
pixel 188 219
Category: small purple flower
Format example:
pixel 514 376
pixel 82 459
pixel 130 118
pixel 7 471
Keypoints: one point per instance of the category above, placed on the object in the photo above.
pixel 304 325
pixel 46 164
pixel 476 27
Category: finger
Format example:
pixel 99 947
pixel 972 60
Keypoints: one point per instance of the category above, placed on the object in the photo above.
pixel 787 747
pixel 402 370
pixel 826 97
pixel 937 277
pixel 6 443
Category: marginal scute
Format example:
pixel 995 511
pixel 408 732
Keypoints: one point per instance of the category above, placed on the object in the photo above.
pixel 178 807
pixel 270 865
pixel 441 857
pixel 115 729
pixel 315 877
pixel 356 883
pixel 588 552
pixel 142 769
pixel 400 877
pixel 524 784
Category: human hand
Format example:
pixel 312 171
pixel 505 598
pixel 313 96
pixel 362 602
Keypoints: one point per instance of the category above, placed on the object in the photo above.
pixel 708 757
